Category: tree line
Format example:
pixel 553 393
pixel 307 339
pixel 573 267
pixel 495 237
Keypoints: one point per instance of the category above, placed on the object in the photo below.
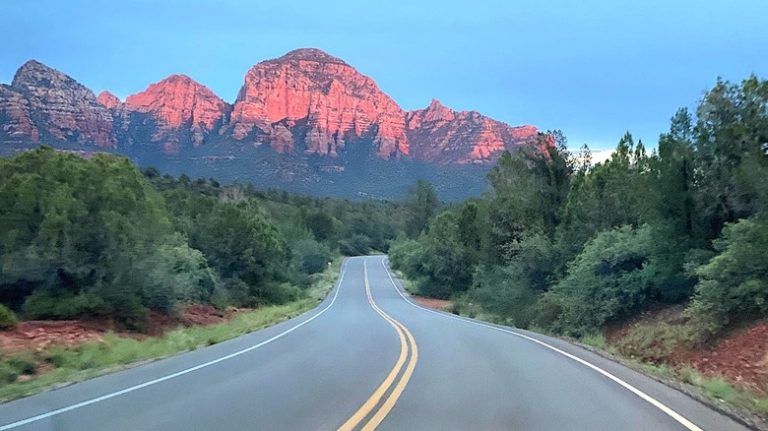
pixel 97 238
pixel 567 245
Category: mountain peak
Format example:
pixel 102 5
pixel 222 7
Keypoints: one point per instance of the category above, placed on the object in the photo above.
pixel 310 54
pixel 180 78
pixel 44 102
pixel 182 107
pixel 435 104
pixel 174 86
pixel 337 103
pixel 33 73
pixel 108 99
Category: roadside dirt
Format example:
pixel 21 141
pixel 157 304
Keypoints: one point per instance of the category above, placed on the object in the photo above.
pixel 740 357
pixel 38 335
pixel 437 304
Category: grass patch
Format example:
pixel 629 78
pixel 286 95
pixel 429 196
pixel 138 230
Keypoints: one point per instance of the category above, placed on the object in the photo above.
pixel 596 340
pixel 655 342
pixel 720 390
pixel 408 284
pixel 73 364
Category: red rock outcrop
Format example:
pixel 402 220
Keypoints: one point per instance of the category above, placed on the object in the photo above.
pixel 181 109
pixel 334 100
pixel 441 135
pixel 17 125
pixel 44 103
pixel 109 100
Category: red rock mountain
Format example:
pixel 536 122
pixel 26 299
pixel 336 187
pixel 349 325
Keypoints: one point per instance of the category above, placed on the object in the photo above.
pixel 43 104
pixel 300 116
pixel 440 134
pixel 333 99
pixel 181 108
pixel 109 100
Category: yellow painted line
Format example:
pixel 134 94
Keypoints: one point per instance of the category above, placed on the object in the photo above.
pixel 654 402
pixel 398 390
pixel 406 342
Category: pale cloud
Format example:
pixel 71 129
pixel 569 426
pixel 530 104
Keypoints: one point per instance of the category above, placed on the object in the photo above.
pixel 599 156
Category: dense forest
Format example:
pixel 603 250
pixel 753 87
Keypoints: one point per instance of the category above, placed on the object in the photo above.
pixel 97 238
pixel 568 246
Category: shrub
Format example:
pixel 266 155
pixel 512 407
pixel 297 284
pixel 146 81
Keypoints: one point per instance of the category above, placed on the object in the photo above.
pixel 45 305
pixel 405 255
pixel 613 276
pixel 505 291
pixel 277 293
pixel 8 374
pixel 174 273
pixel 23 362
pixel 235 292
pixel 311 256
pixel 7 318
pixel 735 281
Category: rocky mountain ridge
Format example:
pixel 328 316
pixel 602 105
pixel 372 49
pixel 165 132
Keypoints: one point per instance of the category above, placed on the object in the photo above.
pixel 307 108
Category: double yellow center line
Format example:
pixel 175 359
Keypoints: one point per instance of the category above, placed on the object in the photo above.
pixel 374 409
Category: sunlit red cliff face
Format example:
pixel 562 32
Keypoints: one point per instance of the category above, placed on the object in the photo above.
pixel 109 100
pixel 442 135
pixel 306 107
pixel 182 110
pixel 334 101
pixel 337 103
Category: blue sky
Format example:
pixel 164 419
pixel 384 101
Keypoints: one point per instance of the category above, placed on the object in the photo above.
pixel 594 69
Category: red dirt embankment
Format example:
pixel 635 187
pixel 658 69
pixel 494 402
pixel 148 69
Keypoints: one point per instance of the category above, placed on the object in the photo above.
pixel 437 304
pixel 741 357
pixel 37 335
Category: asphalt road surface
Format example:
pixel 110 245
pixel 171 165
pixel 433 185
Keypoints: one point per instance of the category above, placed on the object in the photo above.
pixel 367 358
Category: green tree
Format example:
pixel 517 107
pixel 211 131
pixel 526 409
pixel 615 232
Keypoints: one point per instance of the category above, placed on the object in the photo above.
pixel 444 262
pixel 321 225
pixel 72 228
pixel 732 125
pixel 734 284
pixel 420 206
pixel 530 186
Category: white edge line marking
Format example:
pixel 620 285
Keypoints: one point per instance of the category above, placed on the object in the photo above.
pixel 179 373
pixel 676 416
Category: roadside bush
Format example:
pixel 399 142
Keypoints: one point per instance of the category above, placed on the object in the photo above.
pixel 8 374
pixel 612 277
pixel 734 283
pixel 505 291
pixel 235 292
pixel 7 318
pixel 311 256
pixel 22 362
pixel 49 305
pixel 175 273
pixel 276 293
pixel 405 255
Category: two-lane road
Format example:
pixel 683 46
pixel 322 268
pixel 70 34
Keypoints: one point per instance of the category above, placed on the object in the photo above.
pixel 368 358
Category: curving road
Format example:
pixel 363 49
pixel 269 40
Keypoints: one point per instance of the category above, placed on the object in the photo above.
pixel 367 358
